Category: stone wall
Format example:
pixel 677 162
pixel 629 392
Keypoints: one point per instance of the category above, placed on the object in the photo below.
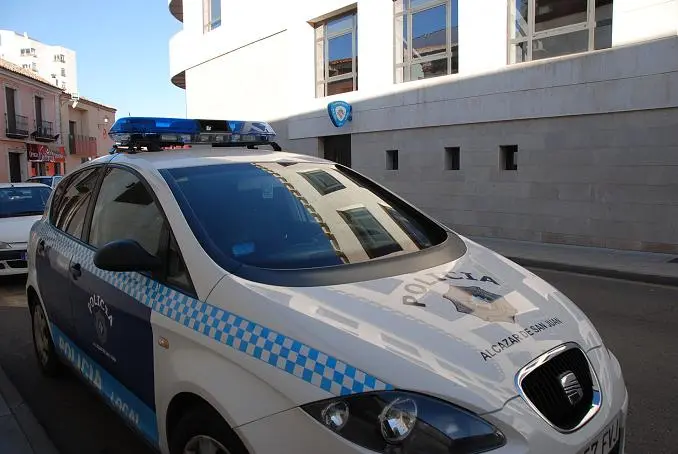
pixel 608 180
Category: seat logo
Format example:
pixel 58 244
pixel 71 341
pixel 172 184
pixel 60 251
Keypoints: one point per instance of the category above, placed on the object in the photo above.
pixel 572 388
pixel 340 112
pixel 481 303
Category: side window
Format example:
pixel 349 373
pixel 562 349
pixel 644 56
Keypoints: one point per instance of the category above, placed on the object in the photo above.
pixel 69 207
pixel 126 210
pixel 177 273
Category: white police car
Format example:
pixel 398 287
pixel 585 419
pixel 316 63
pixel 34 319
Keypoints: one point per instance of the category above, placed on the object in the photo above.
pixel 228 299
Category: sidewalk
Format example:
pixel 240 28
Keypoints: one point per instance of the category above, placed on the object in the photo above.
pixel 647 267
pixel 20 432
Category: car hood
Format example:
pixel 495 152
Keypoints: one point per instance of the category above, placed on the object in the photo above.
pixel 18 229
pixel 460 331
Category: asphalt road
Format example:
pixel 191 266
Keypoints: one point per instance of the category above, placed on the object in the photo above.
pixel 638 322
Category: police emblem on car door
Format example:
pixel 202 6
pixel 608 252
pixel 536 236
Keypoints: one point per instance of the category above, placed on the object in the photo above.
pixel 113 326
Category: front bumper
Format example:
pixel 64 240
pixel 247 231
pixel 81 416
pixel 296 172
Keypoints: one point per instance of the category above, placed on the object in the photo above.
pixel 293 431
pixel 13 261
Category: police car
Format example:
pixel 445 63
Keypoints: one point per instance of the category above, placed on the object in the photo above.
pixel 226 297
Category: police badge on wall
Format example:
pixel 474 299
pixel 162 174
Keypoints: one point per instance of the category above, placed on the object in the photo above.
pixel 480 303
pixel 340 112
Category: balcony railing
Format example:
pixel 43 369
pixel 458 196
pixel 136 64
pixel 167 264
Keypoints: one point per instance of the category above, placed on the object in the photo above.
pixel 44 132
pixel 82 145
pixel 16 126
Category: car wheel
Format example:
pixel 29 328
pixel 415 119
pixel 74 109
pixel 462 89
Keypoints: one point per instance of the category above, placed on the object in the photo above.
pixel 42 342
pixel 203 431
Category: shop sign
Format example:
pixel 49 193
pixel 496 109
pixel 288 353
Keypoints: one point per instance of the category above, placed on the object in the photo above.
pixel 340 112
pixel 44 153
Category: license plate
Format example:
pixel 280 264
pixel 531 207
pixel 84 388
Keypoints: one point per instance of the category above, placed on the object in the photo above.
pixel 607 441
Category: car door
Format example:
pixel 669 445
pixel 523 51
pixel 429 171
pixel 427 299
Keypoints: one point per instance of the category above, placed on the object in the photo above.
pixel 113 323
pixel 59 236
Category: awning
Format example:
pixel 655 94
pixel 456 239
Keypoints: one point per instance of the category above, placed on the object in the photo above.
pixel 45 153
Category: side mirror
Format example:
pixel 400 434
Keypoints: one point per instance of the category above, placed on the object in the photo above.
pixel 125 255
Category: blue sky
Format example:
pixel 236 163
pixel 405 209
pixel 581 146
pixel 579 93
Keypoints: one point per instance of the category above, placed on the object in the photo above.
pixel 121 47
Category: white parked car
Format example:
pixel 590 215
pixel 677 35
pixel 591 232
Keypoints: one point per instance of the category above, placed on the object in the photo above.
pixel 227 299
pixel 21 205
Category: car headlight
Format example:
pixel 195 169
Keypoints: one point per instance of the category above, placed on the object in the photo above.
pixel 406 423
pixel 5 245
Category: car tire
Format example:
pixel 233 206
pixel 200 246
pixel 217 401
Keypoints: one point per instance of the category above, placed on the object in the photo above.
pixel 45 353
pixel 202 424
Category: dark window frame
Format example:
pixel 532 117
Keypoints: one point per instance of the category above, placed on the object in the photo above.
pixel 392 160
pixel 509 157
pixel 452 158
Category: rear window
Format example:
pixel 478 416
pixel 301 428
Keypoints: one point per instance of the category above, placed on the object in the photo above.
pixel 295 215
pixel 23 201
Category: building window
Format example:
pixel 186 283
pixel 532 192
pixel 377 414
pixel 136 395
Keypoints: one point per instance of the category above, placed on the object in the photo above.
pixel 322 181
pixel 509 157
pixel 211 14
pixel 63 72
pixel 60 58
pixel 34 66
pixel 452 158
pixel 374 238
pixel 426 39
pixel 63 85
pixel 336 56
pixel 414 231
pixel 541 29
pixel 391 159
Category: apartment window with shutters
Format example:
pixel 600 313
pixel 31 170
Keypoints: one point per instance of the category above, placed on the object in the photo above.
pixel 541 29
pixel 426 39
pixel 336 56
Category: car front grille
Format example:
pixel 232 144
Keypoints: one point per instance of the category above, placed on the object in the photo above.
pixel 17 264
pixel 11 255
pixel 545 384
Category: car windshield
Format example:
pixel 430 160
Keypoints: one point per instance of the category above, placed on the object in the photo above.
pixel 295 215
pixel 23 201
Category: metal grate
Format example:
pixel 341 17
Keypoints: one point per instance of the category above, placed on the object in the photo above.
pixel 10 255
pixel 19 264
pixel 543 388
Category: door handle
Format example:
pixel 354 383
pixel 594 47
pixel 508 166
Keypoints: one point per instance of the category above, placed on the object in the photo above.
pixel 76 270
pixel 41 247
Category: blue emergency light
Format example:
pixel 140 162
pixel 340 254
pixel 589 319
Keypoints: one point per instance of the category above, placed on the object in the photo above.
pixel 155 133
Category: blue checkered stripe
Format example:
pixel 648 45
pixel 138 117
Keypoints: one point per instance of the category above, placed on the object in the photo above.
pixel 257 341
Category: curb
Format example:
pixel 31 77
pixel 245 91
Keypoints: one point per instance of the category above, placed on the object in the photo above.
pixel 601 272
pixel 34 433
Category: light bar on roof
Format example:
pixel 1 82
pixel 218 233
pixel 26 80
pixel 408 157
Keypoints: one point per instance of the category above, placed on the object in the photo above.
pixel 160 132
